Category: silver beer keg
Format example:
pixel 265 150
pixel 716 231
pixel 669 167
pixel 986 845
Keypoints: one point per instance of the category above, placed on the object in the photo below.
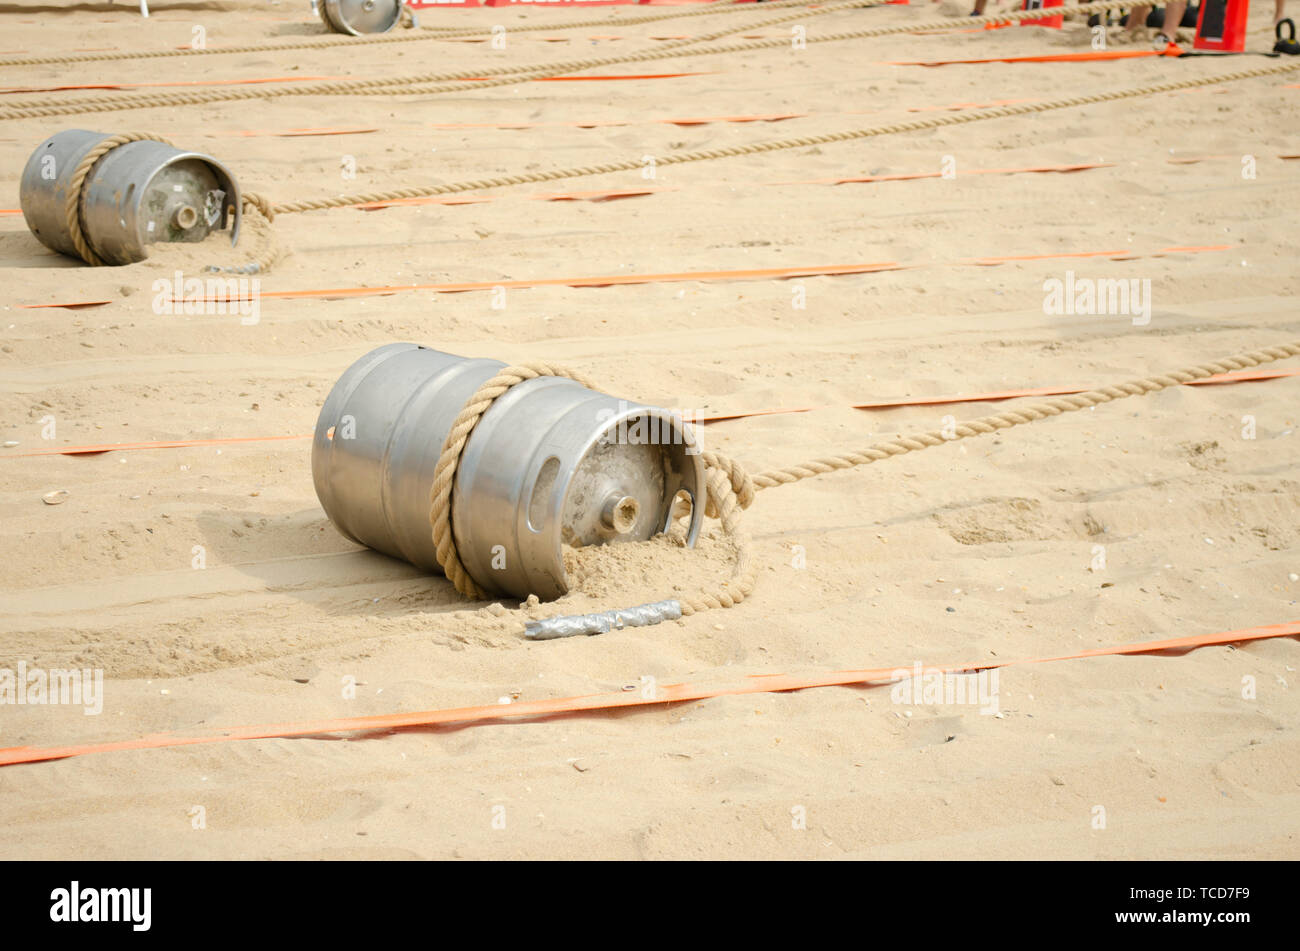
pixel 551 463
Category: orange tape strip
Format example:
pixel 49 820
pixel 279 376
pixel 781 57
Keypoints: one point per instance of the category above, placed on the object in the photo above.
pixel 162 444
pixel 1240 376
pixel 597 79
pixel 779 273
pixel 603 123
pixel 294 133
pixel 669 693
pixel 626 193
pixel 598 195
pixel 10 90
pixel 703 120
pixel 190 82
pixel 70 305
pixel 912 176
pixel 1091 56
pixel 992 261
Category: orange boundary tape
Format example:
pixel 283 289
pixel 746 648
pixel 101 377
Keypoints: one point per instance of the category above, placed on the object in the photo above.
pixel 1003 259
pixel 1091 56
pixel 742 274
pixel 913 176
pixel 295 133
pixel 669 693
pixel 596 79
pixel 779 273
pixel 10 90
pixel 602 195
pixel 1240 376
pixel 596 195
pixel 161 444
pixel 7 90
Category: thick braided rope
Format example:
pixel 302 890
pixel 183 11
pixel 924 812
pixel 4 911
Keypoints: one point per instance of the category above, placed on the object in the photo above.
pixel 741 485
pixel 732 489
pixel 72 209
pixel 267 250
pixel 261 203
pixel 424 33
pixel 1021 415
pixel 416 85
pixel 754 148
pixel 724 505
pixel 406 85
pixel 444 474
pixel 911 125
pixel 509 75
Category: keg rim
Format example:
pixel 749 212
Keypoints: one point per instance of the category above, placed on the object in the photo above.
pixel 332 12
pixel 692 470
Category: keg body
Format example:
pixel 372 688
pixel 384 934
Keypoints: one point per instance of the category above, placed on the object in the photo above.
pixel 135 195
pixel 550 464
pixel 359 17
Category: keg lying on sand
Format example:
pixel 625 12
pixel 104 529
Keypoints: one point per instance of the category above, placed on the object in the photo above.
pixel 135 195
pixel 359 17
pixel 550 463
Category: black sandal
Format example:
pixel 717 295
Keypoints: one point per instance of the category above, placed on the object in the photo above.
pixel 1287 45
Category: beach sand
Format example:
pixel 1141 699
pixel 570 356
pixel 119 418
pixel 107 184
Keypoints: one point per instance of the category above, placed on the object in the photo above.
pixel 979 551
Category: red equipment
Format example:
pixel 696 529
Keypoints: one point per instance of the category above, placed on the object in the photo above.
pixel 1221 25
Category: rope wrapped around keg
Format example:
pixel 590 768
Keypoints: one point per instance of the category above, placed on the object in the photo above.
pixel 267 251
pixel 444 474
pixel 729 491
pixel 73 208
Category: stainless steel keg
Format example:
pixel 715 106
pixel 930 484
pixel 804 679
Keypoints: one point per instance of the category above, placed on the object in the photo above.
pixel 359 17
pixel 551 463
pixel 137 194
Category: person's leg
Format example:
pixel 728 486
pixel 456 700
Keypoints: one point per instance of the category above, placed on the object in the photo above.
pixel 1137 18
pixel 1277 11
pixel 980 4
pixel 1173 19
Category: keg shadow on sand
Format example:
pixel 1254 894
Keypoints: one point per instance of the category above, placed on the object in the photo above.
pixel 302 556
pixel 21 249
pixel 308 28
